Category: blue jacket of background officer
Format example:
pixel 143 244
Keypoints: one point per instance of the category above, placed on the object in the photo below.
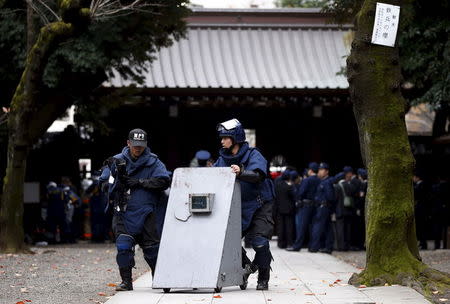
pixel 309 185
pixel 325 190
pixel 253 195
pixel 141 201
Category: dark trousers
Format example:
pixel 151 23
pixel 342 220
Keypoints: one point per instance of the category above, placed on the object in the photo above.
pixel 360 232
pixel 285 230
pixel 258 235
pixel 327 240
pixel 303 220
pixel 344 231
pixel 148 240
pixel 320 222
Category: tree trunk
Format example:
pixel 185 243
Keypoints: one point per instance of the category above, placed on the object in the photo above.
pixel 374 77
pixel 25 107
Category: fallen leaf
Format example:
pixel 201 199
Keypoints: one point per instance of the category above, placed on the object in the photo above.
pixel 443 299
pixel 23 290
pixel 362 286
pixel 20 302
pixel 102 294
pixel 112 285
pixel 292 288
pixel 386 284
pixel 309 294
pixel 217 297
pixel 294 279
pixel 29 301
pixel 338 280
pixel 269 299
pixel 436 292
pixel 331 285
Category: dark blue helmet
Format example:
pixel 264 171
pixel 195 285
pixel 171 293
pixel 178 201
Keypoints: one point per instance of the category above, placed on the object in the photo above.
pixel 232 128
pixel 362 172
pixel 293 175
pixel 324 166
pixel 286 174
pixel 347 169
pixel 202 155
pixel 313 166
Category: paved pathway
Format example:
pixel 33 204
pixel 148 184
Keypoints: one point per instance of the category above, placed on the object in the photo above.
pixel 297 278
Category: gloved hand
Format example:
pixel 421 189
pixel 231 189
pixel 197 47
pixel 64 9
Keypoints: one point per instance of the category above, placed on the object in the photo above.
pixel 130 182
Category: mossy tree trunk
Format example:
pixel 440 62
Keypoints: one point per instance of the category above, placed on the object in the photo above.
pixel 392 253
pixel 375 80
pixel 30 115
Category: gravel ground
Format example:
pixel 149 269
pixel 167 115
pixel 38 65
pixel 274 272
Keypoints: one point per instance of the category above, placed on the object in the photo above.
pixel 77 273
pixel 437 259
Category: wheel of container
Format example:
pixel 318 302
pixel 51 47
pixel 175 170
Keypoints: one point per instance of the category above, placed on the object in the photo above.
pixel 243 286
pixel 166 290
pixel 218 289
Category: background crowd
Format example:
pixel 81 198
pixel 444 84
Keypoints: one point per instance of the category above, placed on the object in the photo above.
pixel 70 213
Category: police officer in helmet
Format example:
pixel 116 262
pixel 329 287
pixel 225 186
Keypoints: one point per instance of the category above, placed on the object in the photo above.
pixel 139 177
pixel 257 196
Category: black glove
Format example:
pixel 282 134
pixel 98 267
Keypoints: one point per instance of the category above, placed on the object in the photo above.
pixel 154 183
pixel 251 176
pixel 130 182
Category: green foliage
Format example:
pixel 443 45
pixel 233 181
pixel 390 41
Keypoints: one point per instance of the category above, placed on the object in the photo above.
pixel 301 3
pixel 12 50
pixel 425 53
pixel 115 42
pixel 424 45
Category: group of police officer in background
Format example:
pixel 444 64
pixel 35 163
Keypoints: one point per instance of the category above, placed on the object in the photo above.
pixel 320 211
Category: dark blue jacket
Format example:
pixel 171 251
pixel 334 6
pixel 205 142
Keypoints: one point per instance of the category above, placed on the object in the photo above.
pixel 142 201
pixel 253 195
pixel 308 188
pixel 325 190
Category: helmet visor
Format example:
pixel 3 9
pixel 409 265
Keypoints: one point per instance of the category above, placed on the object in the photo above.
pixel 228 125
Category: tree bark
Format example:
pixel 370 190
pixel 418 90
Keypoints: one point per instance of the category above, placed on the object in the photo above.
pixel 374 77
pixel 25 109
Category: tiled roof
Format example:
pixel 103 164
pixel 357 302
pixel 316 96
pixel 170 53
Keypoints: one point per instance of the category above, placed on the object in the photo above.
pixel 250 56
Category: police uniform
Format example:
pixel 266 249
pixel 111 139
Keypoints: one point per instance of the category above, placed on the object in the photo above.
pixel 285 210
pixel 305 206
pixel 257 195
pixel 97 204
pixel 56 213
pixel 321 230
pixel 135 222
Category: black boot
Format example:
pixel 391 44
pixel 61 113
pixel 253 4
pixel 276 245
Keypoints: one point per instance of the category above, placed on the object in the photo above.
pixel 127 281
pixel 263 279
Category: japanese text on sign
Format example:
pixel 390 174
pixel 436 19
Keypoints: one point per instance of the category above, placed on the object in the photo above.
pixel 386 24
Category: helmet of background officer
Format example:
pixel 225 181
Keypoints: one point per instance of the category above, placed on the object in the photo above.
pixel 313 168
pixel 362 173
pixel 348 171
pixel 202 157
pixel 231 133
pixel 137 142
pixel 324 170
pixel 286 175
pixel 295 177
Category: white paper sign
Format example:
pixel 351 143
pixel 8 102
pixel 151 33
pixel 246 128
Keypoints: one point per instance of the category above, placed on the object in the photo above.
pixel 386 24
